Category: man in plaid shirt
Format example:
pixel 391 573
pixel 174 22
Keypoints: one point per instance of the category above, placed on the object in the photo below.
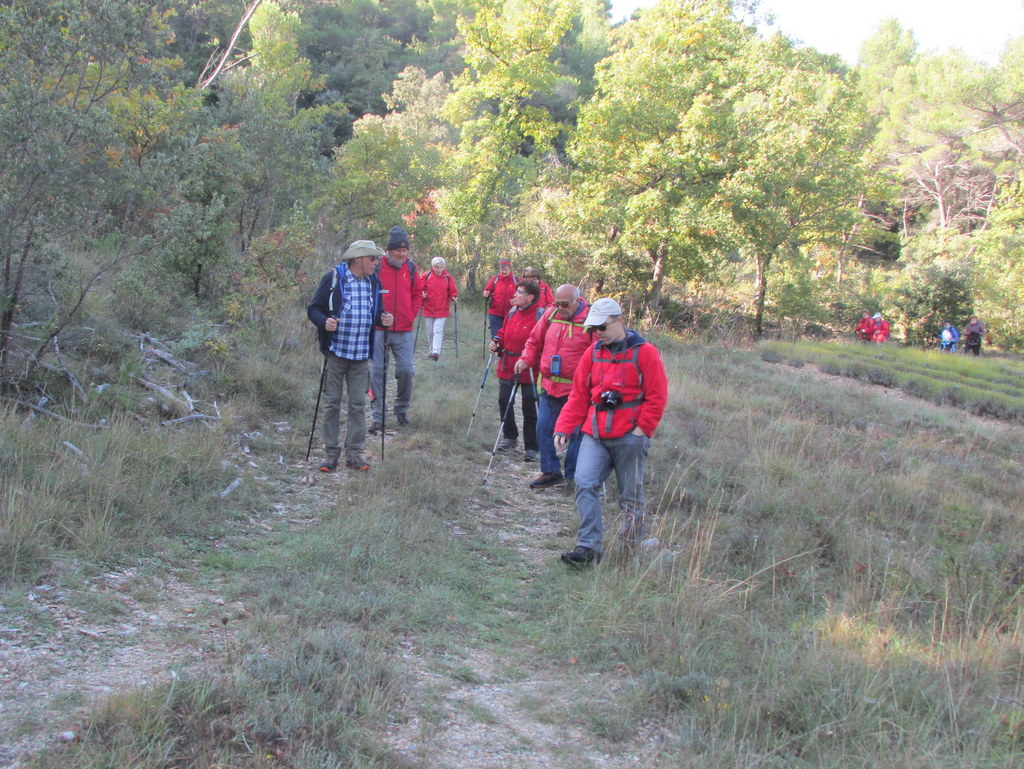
pixel 345 309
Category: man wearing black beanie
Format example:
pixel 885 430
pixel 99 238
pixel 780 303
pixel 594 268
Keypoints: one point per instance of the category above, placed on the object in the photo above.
pixel 402 295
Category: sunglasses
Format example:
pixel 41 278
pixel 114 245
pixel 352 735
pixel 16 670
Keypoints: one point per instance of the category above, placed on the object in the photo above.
pixel 562 304
pixel 602 327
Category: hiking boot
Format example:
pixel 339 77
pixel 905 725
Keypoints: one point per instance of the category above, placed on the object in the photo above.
pixel 544 480
pixel 402 419
pixel 507 443
pixel 581 556
pixel 375 428
pixel 530 455
pixel 329 465
pixel 434 356
pixel 359 463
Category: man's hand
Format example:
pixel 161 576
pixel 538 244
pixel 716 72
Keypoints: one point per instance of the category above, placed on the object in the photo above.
pixel 638 431
pixel 494 346
pixel 331 324
pixel 520 366
pixel 561 441
pixel 387 320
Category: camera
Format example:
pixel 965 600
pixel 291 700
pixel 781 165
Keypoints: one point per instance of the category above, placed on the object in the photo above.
pixel 611 400
pixel 556 365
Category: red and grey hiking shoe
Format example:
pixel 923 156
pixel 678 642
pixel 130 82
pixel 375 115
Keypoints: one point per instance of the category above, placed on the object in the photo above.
pixel 357 463
pixel 329 465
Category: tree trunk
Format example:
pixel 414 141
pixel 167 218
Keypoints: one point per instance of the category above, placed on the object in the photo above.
pixel 658 257
pixel 762 291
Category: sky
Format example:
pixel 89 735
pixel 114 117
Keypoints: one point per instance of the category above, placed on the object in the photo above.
pixel 980 28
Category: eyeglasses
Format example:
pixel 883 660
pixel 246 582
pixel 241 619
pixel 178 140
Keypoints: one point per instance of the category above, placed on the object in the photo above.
pixel 562 304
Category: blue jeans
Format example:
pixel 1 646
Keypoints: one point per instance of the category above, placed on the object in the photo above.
pixel 399 345
pixel 547 415
pixel 627 456
pixel 495 322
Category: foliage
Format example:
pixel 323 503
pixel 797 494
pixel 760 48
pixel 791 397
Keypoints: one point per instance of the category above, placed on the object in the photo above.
pixel 986 387
pixel 72 160
pixel 930 294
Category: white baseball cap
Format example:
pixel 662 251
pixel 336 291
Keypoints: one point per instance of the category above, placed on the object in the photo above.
pixel 601 310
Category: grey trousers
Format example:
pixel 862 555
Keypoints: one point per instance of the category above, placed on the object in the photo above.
pixel 399 349
pixel 627 456
pixel 353 376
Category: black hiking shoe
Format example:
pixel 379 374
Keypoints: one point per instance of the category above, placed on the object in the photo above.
pixel 507 443
pixel 581 556
pixel 329 465
pixel 530 455
pixel 544 480
pixel 402 419
pixel 375 428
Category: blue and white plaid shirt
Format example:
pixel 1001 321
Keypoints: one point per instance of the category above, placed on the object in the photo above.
pixel 351 340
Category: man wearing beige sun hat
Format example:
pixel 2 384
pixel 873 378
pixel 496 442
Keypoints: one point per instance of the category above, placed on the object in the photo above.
pixel 345 309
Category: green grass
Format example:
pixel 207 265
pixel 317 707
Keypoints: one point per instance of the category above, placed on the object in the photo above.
pixel 987 386
pixel 839 583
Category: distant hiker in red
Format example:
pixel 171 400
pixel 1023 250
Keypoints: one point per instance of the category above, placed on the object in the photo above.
pixel 439 293
pixel 619 394
pixel 547 296
pixel 498 292
pixel 866 327
pixel 509 343
pixel 973 332
pixel 881 330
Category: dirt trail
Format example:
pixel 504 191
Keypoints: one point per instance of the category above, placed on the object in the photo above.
pixel 58 660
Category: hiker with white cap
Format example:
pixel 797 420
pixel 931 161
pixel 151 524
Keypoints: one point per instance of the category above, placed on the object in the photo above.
pixel 619 393
pixel 345 309
pixel 881 330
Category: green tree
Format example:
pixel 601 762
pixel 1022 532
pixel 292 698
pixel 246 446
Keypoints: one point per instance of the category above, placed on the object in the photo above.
pixel 504 132
pixel 799 173
pixel 656 142
pixel 67 68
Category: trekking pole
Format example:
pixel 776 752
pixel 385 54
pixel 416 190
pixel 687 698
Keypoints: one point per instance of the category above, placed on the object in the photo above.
pixel 323 375
pixel 384 396
pixel 485 333
pixel 416 336
pixel 456 331
pixel 501 428
pixel 487 370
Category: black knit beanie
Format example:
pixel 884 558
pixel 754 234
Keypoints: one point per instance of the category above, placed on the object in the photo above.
pixel 397 238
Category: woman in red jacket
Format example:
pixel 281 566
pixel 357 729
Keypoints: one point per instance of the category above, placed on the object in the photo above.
pixel 499 292
pixel 439 291
pixel 509 343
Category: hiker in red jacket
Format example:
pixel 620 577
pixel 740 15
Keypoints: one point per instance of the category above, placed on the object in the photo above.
pixel 402 296
pixel 865 327
pixel 556 345
pixel 881 331
pixel 509 343
pixel 618 397
pixel 498 292
pixel 439 293
pixel 547 296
